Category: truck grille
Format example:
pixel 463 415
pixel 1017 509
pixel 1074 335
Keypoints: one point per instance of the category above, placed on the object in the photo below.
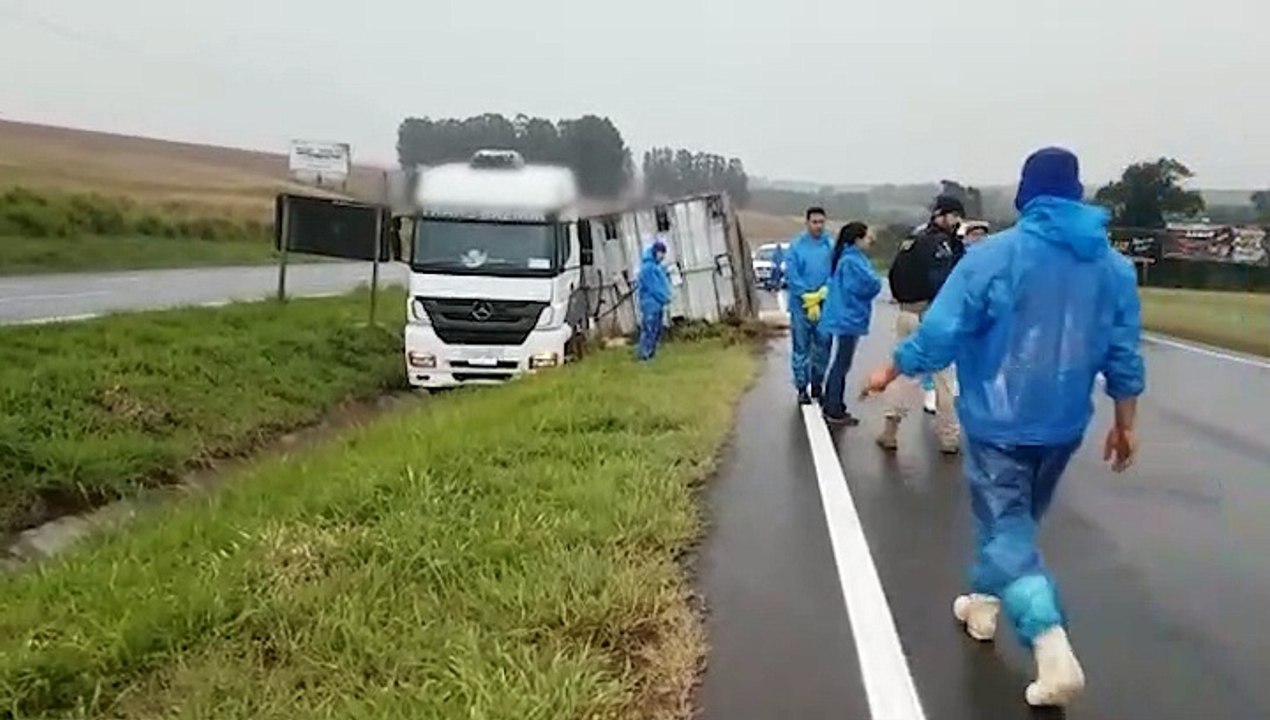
pixel 482 322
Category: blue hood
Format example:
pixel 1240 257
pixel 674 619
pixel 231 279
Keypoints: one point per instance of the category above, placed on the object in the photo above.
pixel 650 252
pixel 1079 227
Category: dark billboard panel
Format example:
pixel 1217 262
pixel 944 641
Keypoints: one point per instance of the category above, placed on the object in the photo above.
pixel 1140 245
pixel 332 228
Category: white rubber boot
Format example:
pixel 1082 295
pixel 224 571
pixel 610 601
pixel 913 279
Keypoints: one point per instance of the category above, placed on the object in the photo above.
pixel 979 614
pixel 928 402
pixel 1059 677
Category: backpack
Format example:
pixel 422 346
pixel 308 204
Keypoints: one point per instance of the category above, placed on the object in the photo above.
pixel 908 276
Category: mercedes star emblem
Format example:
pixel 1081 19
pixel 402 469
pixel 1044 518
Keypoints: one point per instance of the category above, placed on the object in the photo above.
pixel 482 311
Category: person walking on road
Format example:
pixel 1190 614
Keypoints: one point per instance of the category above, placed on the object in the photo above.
pixel 654 296
pixel 1030 317
pixel 916 276
pixel 848 309
pixel 807 266
pixel 971 231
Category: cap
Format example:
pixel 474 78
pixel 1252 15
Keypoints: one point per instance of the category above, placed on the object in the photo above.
pixel 945 204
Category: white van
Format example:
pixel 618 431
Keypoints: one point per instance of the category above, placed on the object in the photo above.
pixel 494 270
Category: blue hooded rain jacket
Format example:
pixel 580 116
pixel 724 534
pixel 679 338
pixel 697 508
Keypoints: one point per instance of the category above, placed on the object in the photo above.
pixel 1030 316
pixel 807 266
pixel 852 287
pixel 654 283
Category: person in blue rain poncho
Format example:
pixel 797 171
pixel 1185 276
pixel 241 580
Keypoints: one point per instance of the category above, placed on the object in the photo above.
pixel 848 309
pixel 1030 316
pixel 807 265
pixel 654 296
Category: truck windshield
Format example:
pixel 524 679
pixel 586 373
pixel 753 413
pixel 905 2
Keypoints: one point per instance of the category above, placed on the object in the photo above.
pixel 461 247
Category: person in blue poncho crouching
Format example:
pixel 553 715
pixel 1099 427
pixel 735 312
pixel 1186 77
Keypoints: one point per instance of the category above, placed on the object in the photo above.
pixel 654 296
pixel 1030 316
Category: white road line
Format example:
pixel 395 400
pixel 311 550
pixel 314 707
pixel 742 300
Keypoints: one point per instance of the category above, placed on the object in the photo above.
pixel 52 296
pixel 54 319
pixel 888 682
pixel 1202 350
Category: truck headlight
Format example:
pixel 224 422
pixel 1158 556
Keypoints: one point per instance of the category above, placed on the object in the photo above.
pixel 544 360
pixel 423 361
pixel 547 320
pixel 419 313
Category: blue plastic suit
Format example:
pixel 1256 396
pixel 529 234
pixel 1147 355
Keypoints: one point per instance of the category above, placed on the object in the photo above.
pixel 807 269
pixel 844 319
pixel 654 296
pixel 1030 316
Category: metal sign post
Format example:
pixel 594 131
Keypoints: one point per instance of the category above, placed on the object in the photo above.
pixel 283 245
pixel 379 236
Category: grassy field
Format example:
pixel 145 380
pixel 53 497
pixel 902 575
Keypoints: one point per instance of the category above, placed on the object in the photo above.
pixel 90 411
pixel 761 228
pixel 178 180
pixel 239 183
pixel 31 256
pixel 512 553
pixel 1239 321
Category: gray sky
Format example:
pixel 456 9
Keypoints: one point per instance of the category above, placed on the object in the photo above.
pixel 844 91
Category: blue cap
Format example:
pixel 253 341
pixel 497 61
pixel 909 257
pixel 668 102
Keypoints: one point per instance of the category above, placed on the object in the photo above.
pixel 1051 171
pixel 659 246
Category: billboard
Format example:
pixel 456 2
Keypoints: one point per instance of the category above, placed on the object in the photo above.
pixel 319 163
pixel 332 228
pixel 1138 245
pixel 1217 243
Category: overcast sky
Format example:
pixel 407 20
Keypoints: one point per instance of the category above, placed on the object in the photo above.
pixel 845 91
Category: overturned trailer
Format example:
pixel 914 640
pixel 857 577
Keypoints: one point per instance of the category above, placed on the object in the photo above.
pixel 711 273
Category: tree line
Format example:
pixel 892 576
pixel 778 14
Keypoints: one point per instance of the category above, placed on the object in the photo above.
pixel 1151 194
pixel 592 146
pixel 675 173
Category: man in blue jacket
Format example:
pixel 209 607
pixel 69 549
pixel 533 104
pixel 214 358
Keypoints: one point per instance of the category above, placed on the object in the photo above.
pixel 1030 316
pixel 654 296
pixel 807 267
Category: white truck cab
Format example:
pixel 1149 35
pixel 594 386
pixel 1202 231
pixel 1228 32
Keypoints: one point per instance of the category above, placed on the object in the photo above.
pixel 494 271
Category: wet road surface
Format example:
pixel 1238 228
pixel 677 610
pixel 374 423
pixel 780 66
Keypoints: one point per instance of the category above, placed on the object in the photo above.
pixel 1164 570
pixel 78 296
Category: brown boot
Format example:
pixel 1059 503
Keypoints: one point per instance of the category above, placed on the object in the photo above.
pixel 889 437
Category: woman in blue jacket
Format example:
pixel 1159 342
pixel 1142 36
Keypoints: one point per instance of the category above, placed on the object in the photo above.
pixel 654 296
pixel 848 309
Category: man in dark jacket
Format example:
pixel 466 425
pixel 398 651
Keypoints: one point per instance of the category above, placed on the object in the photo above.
pixel 918 272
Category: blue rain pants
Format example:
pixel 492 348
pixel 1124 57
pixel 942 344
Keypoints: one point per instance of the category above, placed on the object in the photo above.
pixel 841 353
pixel 650 328
pixel 811 349
pixel 1011 487
pixel 928 382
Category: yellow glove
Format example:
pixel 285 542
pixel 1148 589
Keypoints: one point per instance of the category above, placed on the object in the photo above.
pixel 812 302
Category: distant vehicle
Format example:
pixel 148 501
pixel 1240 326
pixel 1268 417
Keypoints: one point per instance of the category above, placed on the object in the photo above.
pixel 762 259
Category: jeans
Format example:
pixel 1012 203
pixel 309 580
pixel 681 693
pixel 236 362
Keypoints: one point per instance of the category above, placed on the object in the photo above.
pixel 1011 487
pixel 841 352
pixel 810 349
pixel 650 327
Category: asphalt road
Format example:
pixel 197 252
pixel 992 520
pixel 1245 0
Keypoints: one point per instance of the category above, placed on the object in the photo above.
pixel 47 298
pixel 1164 570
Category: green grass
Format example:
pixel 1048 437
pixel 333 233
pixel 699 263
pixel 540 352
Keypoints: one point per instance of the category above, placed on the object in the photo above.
pixel 503 553
pixel 1238 321
pixel 91 411
pixel 36 255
